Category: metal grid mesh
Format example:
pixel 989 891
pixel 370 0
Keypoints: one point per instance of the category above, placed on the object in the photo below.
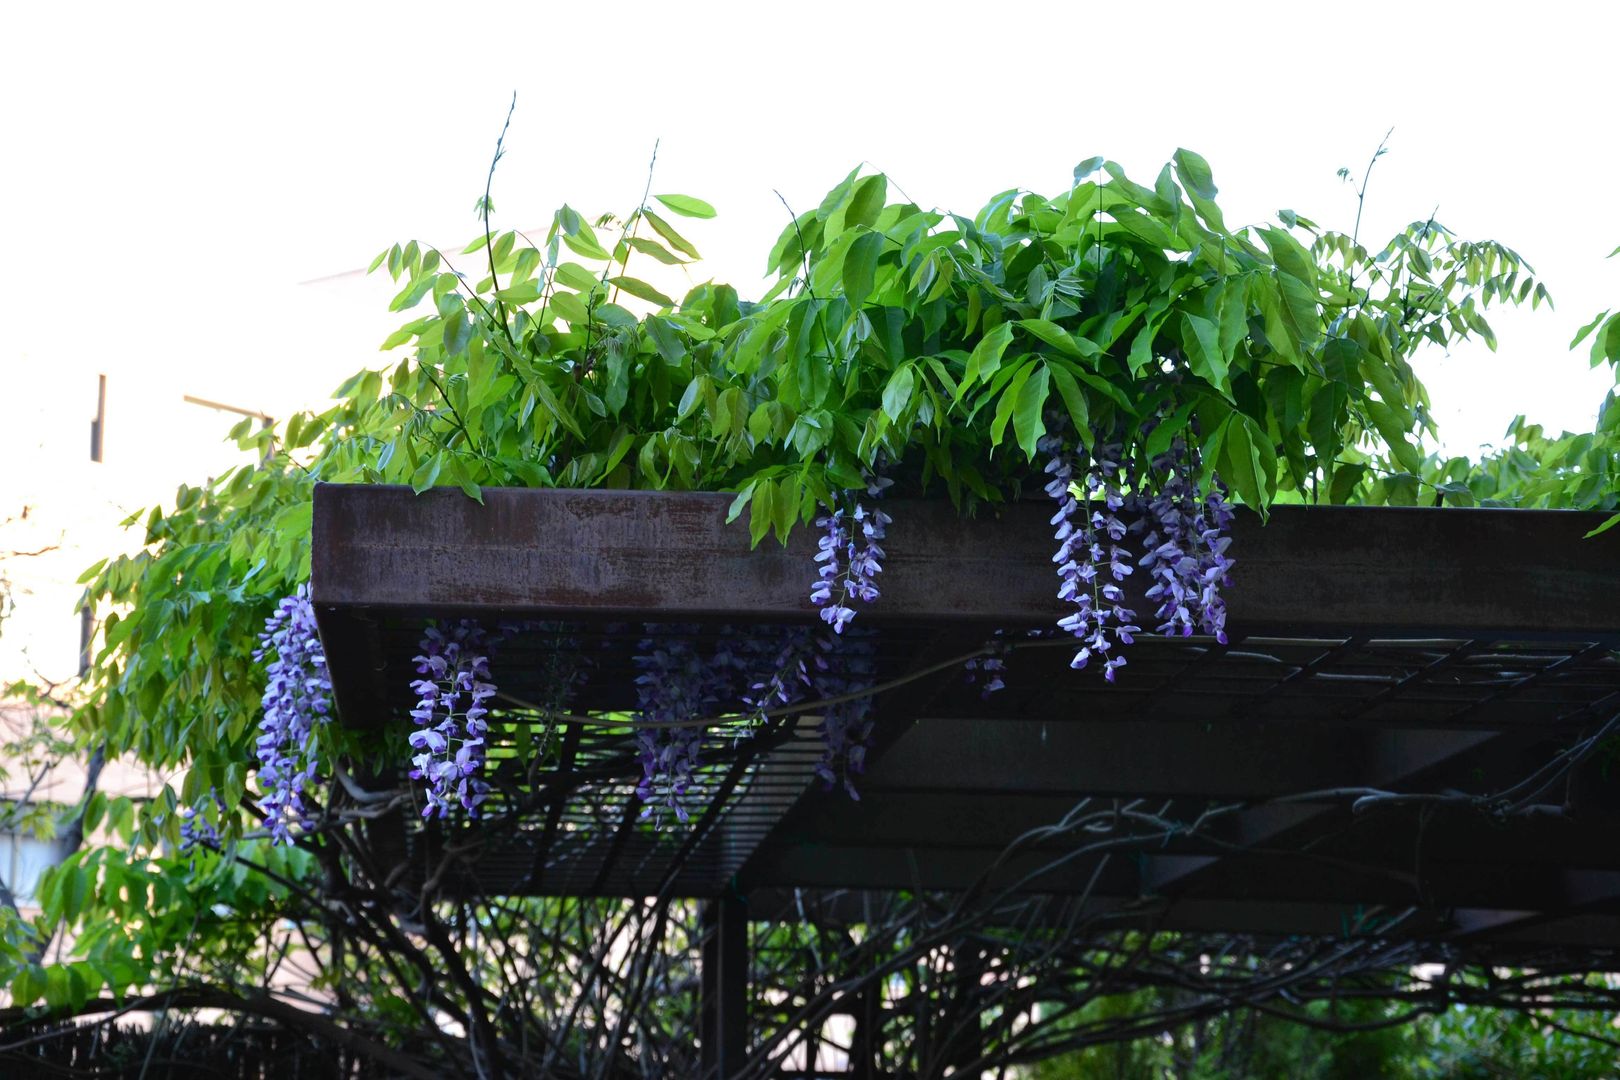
pixel 1429 682
pixel 565 819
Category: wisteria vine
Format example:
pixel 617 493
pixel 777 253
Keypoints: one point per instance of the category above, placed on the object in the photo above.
pixel 850 554
pixel 297 700
pixel 1088 532
pixel 452 704
pixel 1185 538
pixel 847 666
pixel 1185 547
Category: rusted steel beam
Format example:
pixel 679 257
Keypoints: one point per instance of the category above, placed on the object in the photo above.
pixel 672 556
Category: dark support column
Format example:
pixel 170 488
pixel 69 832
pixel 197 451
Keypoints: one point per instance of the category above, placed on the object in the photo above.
pixel 967 1038
pixel 723 1024
pixel 867 1041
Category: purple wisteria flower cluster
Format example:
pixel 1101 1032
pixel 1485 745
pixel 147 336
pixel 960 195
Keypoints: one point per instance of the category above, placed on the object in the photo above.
pixel 197 822
pixel 847 666
pixel 810 665
pixel 1185 547
pixel 452 706
pixel 677 685
pixel 1091 559
pixel 1184 540
pixel 850 556
pixel 786 669
pixel 297 700
pixel 986 672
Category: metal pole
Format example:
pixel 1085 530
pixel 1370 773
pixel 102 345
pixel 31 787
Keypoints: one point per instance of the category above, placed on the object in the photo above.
pixel 723 987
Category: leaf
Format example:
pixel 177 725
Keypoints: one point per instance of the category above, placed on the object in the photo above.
pixel 1103 387
pixel 867 201
pixel 524 292
pixel 860 267
pixel 897 393
pixel 1060 339
pixel 1614 520
pixel 585 246
pixel 1199 182
pixel 554 408
pixel 1291 258
pixel 787 507
pixel 654 249
pixel 570 307
pixel 986 357
pixel 665 340
pixel 1141 352
pixel 642 291
pixel 1345 479
pixel 741 501
pixel 427 473
pixel 1029 410
pixel 1086 168
pixel 671 237
pixel 1607 345
pixel 692 397
pixel 1009 400
pixel 28 985
pixel 576 277
pixel 1194 173
pixel 762 511
pixel 1394 433
pixel 1167 429
pixel 686 206
pixel 1074 399
pixel 412 294
pixel 1203 344
pixel 1248 462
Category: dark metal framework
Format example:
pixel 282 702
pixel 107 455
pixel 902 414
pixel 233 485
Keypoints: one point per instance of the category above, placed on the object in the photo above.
pixel 1374 739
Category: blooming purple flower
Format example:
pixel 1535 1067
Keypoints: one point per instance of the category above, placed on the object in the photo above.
pixel 850 554
pixel 1184 549
pixel 451 715
pixel 847 665
pixel 986 671
pixel 297 700
pixel 1091 559
pixel 676 686
pixel 196 822
pixel 783 673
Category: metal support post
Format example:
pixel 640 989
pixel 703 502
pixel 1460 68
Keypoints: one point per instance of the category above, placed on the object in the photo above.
pixel 723 989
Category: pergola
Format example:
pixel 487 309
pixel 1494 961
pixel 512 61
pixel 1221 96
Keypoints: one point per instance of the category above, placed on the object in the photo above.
pixel 1389 728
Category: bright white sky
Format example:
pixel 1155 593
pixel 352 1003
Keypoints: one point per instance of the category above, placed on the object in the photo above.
pixel 172 171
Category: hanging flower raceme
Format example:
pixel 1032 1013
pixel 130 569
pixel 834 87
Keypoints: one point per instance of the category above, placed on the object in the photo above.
pixel 850 556
pixel 784 669
pixel 986 672
pixel 197 822
pixel 847 666
pixel 1214 565
pixel 1091 560
pixel 676 686
pixel 1185 547
pixel 452 707
pixel 297 700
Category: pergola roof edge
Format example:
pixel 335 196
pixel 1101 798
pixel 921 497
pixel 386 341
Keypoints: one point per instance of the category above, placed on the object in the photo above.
pixel 671 556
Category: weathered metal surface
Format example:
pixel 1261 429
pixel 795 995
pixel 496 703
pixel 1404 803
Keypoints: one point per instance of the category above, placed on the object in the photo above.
pixel 1397 571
